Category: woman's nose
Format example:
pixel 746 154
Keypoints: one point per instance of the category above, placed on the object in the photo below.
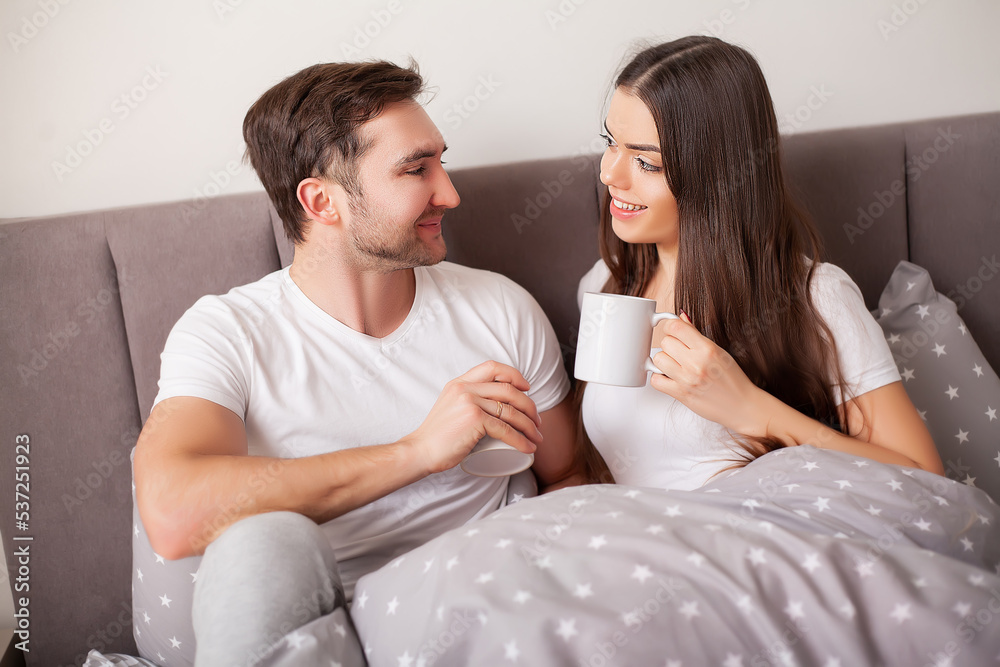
pixel 611 173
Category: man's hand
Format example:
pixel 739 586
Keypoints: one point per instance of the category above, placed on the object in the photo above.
pixel 488 400
pixel 194 476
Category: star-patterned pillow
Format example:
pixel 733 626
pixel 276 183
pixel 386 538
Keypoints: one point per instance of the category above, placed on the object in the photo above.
pixel 98 659
pixel 946 376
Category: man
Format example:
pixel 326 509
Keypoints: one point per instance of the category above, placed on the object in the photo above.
pixel 345 390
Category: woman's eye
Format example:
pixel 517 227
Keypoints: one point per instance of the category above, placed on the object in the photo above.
pixel 608 141
pixel 646 166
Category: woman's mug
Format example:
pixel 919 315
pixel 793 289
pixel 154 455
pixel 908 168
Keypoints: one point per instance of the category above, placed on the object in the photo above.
pixel 615 339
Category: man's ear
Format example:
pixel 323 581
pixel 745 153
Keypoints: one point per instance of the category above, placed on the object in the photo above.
pixel 320 200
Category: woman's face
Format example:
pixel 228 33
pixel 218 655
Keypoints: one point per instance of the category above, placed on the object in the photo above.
pixel 643 210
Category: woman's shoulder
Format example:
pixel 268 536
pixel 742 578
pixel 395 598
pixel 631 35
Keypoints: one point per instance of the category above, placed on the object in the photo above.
pixel 593 280
pixel 836 297
pixel 829 272
pixel 829 281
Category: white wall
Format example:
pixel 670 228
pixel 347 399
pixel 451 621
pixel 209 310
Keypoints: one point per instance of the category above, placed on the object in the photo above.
pixel 550 62
pixel 63 83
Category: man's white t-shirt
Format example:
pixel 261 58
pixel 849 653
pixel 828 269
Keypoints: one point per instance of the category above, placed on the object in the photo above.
pixel 305 383
pixel 648 438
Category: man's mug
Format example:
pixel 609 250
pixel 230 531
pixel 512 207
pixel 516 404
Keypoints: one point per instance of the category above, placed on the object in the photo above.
pixel 495 458
pixel 615 339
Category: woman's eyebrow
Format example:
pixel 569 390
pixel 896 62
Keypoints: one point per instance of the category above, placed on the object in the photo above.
pixel 642 148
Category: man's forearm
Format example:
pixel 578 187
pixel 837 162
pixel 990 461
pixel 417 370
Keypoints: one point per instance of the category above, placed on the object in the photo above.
pixel 193 498
pixel 194 477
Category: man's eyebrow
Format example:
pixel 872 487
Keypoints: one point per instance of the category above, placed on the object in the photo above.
pixel 642 148
pixel 418 155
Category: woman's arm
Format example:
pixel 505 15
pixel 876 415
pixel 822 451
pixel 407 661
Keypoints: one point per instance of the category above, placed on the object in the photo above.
pixel 557 462
pixel 883 422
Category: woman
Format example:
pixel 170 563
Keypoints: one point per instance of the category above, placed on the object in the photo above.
pixel 773 348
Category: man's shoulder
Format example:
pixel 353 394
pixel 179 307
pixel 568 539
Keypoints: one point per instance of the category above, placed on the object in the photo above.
pixel 469 278
pixel 482 291
pixel 241 300
pixel 460 271
pixel 249 293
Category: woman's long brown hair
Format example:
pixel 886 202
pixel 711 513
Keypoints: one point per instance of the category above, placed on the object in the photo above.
pixel 742 274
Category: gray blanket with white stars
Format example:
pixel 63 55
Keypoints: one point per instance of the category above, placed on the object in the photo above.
pixel 805 557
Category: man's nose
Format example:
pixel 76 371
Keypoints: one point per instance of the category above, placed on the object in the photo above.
pixel 445 194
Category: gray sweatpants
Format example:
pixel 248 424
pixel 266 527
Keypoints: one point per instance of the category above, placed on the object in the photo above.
pixel 270 574
pixel 265 576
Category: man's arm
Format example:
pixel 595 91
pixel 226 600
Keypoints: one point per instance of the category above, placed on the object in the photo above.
pixel 557 463
pixel 194 477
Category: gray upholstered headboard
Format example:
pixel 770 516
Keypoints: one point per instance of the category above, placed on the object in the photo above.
pixel 927 192
pixel 87 300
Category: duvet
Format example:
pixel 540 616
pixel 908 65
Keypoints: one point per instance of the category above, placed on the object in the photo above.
pixel 805 557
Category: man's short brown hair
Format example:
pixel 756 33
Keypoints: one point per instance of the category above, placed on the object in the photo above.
pixel 307 127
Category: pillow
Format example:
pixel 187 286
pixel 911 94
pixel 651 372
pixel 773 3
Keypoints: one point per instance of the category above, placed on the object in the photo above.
pixel 946 376
pixel 97 659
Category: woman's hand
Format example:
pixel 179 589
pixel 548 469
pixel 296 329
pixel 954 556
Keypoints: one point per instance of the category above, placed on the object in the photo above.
pixel 706 379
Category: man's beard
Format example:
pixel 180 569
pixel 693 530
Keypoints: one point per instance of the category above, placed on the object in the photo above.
pixel 380 245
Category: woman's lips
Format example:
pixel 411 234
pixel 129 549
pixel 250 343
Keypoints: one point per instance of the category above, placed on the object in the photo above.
pixel 624 210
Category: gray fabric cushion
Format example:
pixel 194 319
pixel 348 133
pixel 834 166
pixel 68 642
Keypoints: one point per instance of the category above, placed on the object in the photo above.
pixel 863 227
pixel 953 206
pixel 174 254
pixel 67 383
pixel 514 222
pixel 946 376
pixel 286 249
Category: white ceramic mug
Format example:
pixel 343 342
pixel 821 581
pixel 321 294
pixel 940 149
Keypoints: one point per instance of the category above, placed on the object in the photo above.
pixel 615 339
pixel 495 458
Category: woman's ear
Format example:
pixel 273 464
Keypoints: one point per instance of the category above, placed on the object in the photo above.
pixel 319 200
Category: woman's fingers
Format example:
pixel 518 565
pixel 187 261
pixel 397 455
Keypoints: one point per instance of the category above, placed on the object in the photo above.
pixel 667 364
pixel 684 332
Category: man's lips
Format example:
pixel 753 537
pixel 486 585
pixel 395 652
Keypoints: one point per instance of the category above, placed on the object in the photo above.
pixel 431 224
pixel 432 220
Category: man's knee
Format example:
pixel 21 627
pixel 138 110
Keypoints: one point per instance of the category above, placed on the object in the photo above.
pixel 270 533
